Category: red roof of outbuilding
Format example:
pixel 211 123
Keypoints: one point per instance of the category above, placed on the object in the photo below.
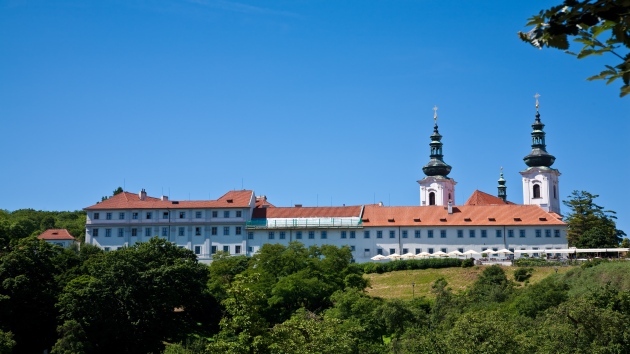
pixel 127 200
pixel 56 234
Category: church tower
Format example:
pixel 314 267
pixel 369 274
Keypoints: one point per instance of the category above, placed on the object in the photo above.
pixel 502 189
pixel 540 181
pixel 436 188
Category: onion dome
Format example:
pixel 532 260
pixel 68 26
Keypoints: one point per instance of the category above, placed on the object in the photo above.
pixel 436 166
pixel 539 157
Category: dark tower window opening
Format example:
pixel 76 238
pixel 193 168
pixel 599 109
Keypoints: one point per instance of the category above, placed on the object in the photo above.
pixel 449 197
pixel 554 191
pixel 432 198
pixel 536 191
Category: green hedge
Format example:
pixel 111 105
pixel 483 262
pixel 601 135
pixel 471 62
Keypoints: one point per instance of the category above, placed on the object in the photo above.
pixel 536 262
pixel 391 266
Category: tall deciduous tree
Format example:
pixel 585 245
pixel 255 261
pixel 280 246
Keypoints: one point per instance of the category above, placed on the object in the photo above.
pixel 601 26
pixel 589 225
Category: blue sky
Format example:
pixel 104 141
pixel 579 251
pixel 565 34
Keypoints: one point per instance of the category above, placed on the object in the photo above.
pixel 312 102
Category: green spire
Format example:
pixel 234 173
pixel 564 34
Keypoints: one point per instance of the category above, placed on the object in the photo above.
pixel 539 156
pixel 502 188
pixel 436 166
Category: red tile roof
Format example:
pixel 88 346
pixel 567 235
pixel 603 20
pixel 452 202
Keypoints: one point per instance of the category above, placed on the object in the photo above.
pixel 56 234
pixel 307 212
pixel 481 198
pixel 127 200
pixel 261 202
pixel 464 215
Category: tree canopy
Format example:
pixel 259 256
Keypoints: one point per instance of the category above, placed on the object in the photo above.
pixel 589 225
pixel 601 26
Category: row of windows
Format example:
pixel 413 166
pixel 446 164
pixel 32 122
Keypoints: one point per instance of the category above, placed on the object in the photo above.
pixel 417 234
pixel 164 231
pixel 166 215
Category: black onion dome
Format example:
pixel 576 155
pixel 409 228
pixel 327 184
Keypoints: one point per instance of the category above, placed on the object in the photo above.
pixel 539 157
pixel 436 166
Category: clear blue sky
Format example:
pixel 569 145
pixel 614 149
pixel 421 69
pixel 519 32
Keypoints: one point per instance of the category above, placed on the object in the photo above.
pixel 312 102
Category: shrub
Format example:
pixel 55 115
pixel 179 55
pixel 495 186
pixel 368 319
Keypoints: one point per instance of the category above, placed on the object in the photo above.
pixel 535 262
pixel 522 274
pixel 468 262
pixel 380 268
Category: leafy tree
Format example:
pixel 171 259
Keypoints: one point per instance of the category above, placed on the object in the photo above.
pixel 132 300
pixel 535 299
pixel 589 225
pixel 6 342
pixel 601 26
pixel 491 286
pixel 118 191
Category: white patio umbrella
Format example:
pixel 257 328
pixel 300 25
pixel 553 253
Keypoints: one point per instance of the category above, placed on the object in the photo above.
pixel 439 254
pixel 504 251
pixel 470 252
pixel 394 256
pixel 378 257
pixel 423 254
pixel 455 253
pixel 408 255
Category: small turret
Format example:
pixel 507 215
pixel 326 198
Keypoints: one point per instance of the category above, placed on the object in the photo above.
pixel 502 188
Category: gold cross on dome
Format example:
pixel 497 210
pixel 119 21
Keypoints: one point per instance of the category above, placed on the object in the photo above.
pixel 536 96
pixel 435 113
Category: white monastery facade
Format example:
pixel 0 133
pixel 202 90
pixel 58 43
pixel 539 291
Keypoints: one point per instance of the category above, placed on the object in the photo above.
pixel 240 222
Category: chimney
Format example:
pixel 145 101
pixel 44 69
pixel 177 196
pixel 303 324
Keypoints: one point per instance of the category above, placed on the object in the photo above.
pixel 164 198
pixel 450 207
pixel 380 203
pixel 298 205
pixel 142 194
pixel 261 197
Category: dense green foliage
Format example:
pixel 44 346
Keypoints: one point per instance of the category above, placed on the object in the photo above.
pixel 589 225
pixel 601 26
pixel 28 222
pixel 411 264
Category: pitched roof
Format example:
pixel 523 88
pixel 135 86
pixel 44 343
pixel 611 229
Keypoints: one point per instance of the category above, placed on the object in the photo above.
pixel 127 200
pixel 56 234
pixel 481 198
pixel 464 215
pixel 260 203
pixel 307 212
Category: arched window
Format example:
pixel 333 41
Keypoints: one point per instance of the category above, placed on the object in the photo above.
pixel 449 197
pixel 536 191
pixel 554 191
pixel 432 198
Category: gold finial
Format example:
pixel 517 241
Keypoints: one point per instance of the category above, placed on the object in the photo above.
pixel 435 114
pixel 536 96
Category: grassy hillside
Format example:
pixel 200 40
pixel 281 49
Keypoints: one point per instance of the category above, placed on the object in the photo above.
pixel 398 284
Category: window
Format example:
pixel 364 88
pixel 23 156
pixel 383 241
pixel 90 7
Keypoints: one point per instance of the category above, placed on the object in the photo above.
pixel 226 214
pixel 392 234
pixel 134 216
pixel 239 214
pixel 134 232
pixel 182 215
pixel 108 216
pixel 432 198
pixel 250 249
pixel 94 232
pixel 106 249
pixel 226 249
pixel 404 234
pixel 547 233
pixel 324 235
pixel 213 231
pixel 430 250
pixel 442 233
pixel 215 214
pixel 379 251
pixel 353 234
pixel 430 233
pixel 165 231
pixel 536 191
pixel 311 235
pixel 165 215
pixel 226 230
pixel 405 251
pixel 121 232
pixel 108 232
pixel 237 249
pixel 418 250
pixel 556 233
pixel 499 233
pixel 366 234
pixel 538 233
pixel 149 215
pixel 283 235
pixel 495 249
pixel 343 234
pixel 416 234
pixel 510 233
pixel 197 250
pixel 147 231
pixel 250 235
pixel 197 215
pixel 484 233
pixel 460 233
pixel 97 216
pixel 121 216
pixel 271 235
pixel 197 231
pixel 471 233
pixel 379 234
pixel 238 230
pixel 392 250
pixel 352 248
pixel 181 231
pixel 443 250
pixel 461 250
pixel 298 235
pixel 213 249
